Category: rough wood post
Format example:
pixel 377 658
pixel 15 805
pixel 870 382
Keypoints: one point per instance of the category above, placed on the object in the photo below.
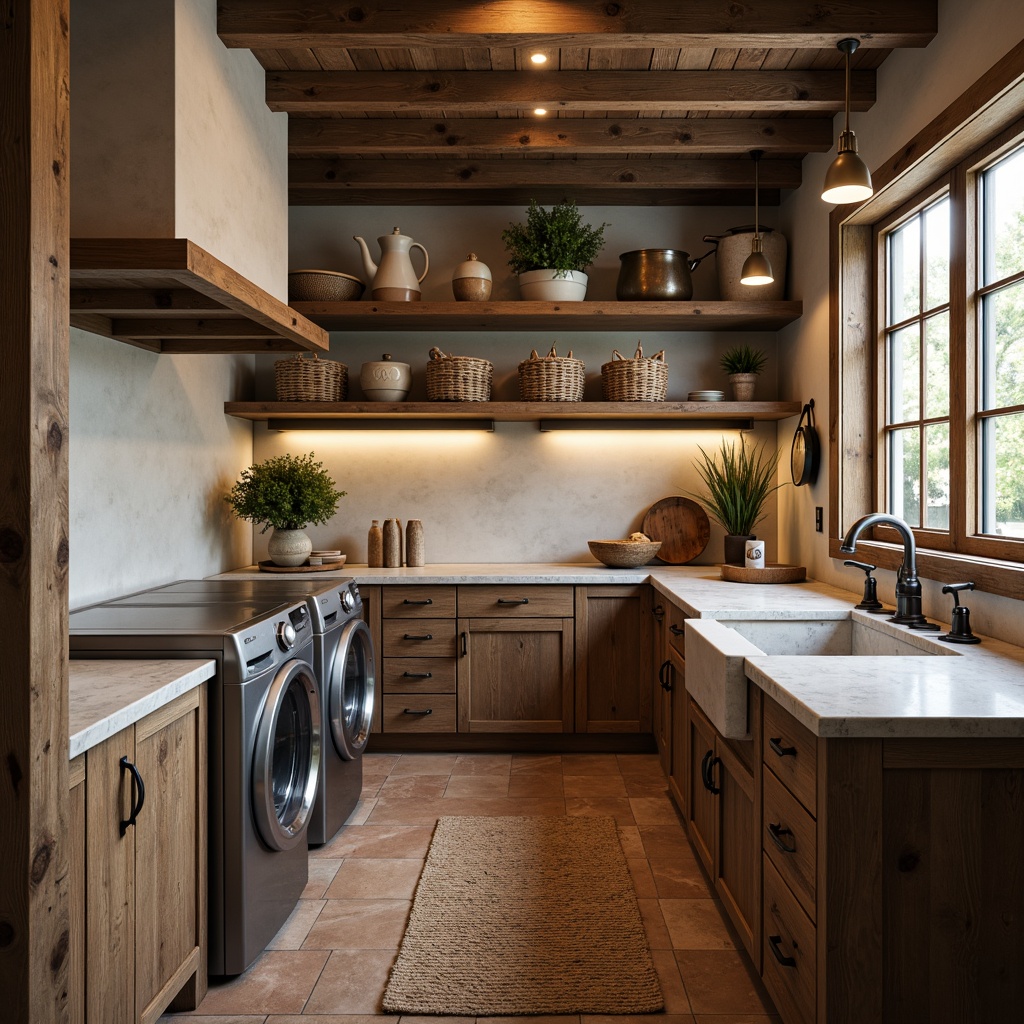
pixel 34 108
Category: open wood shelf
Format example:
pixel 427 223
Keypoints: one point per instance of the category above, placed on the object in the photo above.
pixel 411 413
pixel 170 295
pixel 543 316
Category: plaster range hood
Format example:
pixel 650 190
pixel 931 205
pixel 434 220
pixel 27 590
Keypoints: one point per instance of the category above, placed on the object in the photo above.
pixel 170 295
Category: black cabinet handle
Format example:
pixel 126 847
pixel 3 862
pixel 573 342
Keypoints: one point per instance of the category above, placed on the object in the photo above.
pixel 411 636
pixel 704 769
pixel 417 675
pixel 775 742
pixel 465 643
pixel 777 832
pixel 712 788
pixel 676 630
pixel 426 600
pixel 513 600
pixel 410 711
pixel 775 941
pixel 665 676
pixel 138 793
pixel 658 611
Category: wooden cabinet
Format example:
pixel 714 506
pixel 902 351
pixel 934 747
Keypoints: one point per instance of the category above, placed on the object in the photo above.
pixel 674 694
pixel 722 813
pixel 613 659
pixel 138 942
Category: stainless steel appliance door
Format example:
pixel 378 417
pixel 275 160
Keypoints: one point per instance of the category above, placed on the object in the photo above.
pixel 353 687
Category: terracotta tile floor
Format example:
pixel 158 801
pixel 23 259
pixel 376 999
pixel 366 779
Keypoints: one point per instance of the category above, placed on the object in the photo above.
pixel 332 957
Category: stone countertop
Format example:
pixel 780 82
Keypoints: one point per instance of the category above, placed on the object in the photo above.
pixel 107 696
pixel 977 693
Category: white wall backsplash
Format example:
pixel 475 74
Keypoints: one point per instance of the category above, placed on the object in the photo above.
pixel 914 86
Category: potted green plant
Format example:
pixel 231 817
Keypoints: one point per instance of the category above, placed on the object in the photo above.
pixel 738 482
pixel 743 364
pixel 551 251
pixel 285 493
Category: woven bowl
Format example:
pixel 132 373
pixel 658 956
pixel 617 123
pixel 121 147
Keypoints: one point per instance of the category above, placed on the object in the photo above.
pixel 323 286
pixel 624 554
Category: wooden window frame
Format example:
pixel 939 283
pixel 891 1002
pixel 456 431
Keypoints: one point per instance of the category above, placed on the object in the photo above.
pixel 965 135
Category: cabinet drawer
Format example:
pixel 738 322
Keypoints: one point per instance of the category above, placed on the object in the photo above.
pixel 790 841
pixel 789 955
pixel 424 712
pixel 419 675
pixel 675 630
pixel 418 602
pixel 531 601
pixel 791 751
pixel 424 638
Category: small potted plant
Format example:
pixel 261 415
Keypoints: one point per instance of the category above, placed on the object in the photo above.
pixel 743 364
pixel 738 482
pixel 285 493
pixel 551 251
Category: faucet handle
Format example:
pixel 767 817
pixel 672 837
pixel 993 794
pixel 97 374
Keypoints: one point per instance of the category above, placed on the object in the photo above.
pixel 960 627
pixel 869 602
pixel 860 565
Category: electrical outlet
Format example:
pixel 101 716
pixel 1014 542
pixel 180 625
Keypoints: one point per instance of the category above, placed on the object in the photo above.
pixel 819 519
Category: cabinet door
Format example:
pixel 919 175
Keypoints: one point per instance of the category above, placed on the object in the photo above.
pixel 110 884
pixel 613 659
pixel 663 699
pixel 76 891
pixel 701 810
pixel 658 658
pixel 170 858
pixel 679 765
pixel 515 675
pixel 371 598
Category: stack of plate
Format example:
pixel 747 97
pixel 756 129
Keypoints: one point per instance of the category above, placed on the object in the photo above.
pixel 706 396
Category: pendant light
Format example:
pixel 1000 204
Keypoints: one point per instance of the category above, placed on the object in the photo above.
pixel 848 179
pixel 757 268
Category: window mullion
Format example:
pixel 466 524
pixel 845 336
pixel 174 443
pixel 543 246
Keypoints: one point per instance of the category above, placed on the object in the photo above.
pixel 963 234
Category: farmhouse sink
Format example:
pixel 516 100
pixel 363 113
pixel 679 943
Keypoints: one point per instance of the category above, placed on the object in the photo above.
pixel 716 649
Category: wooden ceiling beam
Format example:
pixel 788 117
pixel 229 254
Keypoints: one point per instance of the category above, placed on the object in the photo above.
pixel 484 92
pixel 788 24
pixel 464 137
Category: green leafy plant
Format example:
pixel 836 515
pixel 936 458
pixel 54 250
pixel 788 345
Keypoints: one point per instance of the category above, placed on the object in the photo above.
pixel 743 359
pixel 739 481
pixel 556 240
pixel 287 492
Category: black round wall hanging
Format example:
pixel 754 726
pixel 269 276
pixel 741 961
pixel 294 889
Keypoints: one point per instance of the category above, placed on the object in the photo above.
pixel 806 451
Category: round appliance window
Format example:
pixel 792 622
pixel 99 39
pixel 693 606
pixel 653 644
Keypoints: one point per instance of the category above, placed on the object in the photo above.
pixel 352 690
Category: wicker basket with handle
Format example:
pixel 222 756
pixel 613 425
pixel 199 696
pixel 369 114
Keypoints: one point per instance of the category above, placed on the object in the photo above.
pixel 310 380
pixel 551 378
pixel 638 379
pixel 458 378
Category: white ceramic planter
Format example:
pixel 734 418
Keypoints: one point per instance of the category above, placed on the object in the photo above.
pixel 289 547
pixel 546 286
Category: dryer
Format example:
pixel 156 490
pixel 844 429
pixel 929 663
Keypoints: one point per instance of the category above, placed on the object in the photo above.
pixel 264 744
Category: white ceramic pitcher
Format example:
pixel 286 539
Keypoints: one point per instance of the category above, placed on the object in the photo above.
pixel 395 279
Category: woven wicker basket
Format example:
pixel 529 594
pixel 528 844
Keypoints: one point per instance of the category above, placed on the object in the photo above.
pixel 458 378
pixel 551 378
pixel 310 380
pixel 635 380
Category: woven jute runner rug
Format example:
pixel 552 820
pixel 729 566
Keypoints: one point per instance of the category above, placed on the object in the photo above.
pixel 518 915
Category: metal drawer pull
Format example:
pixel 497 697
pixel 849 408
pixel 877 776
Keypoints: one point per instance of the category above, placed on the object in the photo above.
pixel 426 600
pixel 410 636
pixel 664 677
pixel 410 711
pixel 418 675
pixel 465 643
pixel 777 832
pixel 658 611
pixel 138 793
pixel 775 742
pixel 707 766
pixel 513 600
pixel 712 788
pixel 676 630
pixel 775 941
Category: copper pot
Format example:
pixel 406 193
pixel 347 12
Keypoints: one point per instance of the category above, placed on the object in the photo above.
pixel 656 274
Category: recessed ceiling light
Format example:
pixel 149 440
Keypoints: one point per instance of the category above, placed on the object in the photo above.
pixel 539 58
pixel 539 111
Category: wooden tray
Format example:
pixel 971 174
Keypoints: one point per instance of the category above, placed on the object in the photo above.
pixel 269 566
pixel 682 527
pixel 773 572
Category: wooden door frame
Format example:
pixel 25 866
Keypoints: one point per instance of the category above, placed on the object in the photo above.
pixel 34 346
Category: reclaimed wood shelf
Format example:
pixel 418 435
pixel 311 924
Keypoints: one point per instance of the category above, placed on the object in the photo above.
pixel 544 316
pixel 170 295
pixel 334 415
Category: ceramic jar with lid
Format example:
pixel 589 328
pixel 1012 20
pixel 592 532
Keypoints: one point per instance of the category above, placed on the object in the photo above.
pixel 384 380
pixel 471 280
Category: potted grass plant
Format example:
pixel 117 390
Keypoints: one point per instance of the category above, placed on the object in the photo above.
pixel 551 251
pixel 743 364
pixel 738 481
pixel 285 493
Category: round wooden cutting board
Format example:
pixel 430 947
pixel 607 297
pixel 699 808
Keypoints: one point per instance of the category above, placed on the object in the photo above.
pixel 682 527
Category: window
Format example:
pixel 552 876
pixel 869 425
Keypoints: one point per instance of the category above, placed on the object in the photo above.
pixel 927 346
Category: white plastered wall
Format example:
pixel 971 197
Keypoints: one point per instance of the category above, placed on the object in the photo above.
pixel 913 87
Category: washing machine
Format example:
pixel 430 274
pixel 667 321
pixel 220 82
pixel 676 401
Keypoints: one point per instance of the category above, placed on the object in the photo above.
pixel 264 744
pixel 346 667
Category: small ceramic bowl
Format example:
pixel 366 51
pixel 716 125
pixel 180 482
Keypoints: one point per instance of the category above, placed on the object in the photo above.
pixel 624 554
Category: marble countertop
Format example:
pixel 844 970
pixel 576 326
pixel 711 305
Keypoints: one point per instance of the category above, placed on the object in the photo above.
pixel 108 696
